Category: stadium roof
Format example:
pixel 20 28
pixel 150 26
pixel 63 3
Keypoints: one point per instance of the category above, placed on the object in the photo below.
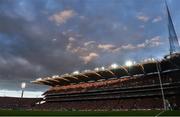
pixel 147 67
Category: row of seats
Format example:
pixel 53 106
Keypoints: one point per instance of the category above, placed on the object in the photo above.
pixel 107 84
pixel 16 103
pixel 113 104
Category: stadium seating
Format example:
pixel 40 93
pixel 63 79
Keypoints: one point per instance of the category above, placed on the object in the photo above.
pixel 135 92
pixel 118 104
pixel 18 103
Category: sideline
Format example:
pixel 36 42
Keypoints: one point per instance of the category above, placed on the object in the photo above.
pixel 160 113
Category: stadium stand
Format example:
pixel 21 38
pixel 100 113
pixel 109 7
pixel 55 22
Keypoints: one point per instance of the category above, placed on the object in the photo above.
pixel 152 84
pixel 18 103
pixel 121 88
pixel 137 91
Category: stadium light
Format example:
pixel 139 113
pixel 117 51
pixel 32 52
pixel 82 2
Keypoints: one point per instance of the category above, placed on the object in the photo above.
pixel 76 72
pixel 86 71
pixel 23 86
pixel 39 79
pixel 55 76
pixel 49 78
pixel 96 69
pixel 102 68
pixel 114 66
pixel 129 63
pixel 66 74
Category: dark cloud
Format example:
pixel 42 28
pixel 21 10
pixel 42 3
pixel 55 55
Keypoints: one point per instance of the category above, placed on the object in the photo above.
pixel 36 35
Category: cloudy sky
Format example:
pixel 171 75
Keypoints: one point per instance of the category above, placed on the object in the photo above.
pixel 41 38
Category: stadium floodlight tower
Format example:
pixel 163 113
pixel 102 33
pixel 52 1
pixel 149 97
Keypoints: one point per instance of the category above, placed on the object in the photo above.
pixel 173 39
pixel 23 86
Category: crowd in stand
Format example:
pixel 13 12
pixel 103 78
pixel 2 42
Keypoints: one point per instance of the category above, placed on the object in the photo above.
pixel 17 103
pixel 112 83
pixel 99 104
pixel 83 87
pixel 89 105
pixel 114 104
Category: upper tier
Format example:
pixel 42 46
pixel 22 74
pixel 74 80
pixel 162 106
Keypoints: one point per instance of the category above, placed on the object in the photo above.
pixel 149 67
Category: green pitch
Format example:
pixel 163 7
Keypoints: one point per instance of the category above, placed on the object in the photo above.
pixel 87 113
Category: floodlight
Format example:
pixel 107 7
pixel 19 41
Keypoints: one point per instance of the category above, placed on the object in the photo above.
pixel 39 79
pixel 76 72
pixel 129 63
pixel 49 78
pixel 96 69
pixel 55 76
pixel 87 70
pixel 102 68
pixel 23 85
pixel 66 74
pixel 114 66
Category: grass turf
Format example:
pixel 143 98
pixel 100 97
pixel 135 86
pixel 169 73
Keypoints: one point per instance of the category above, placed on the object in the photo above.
pixel 87 113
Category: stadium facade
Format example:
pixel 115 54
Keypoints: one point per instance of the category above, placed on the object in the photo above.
pixel 152 84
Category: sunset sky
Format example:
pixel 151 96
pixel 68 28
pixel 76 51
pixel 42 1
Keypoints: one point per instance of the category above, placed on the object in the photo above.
pixel 40 38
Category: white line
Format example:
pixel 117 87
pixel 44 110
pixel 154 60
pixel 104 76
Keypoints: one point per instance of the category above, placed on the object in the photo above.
pixel 160 113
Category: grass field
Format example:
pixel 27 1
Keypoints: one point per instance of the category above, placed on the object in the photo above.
pixel 88 113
